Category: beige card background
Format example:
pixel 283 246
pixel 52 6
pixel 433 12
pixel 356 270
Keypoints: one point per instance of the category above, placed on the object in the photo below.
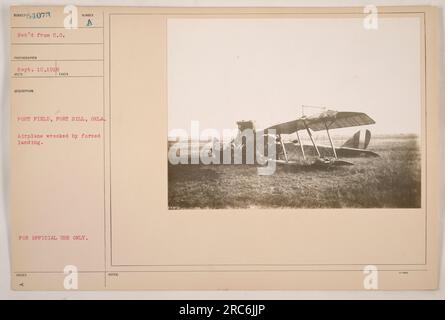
pixel 114 189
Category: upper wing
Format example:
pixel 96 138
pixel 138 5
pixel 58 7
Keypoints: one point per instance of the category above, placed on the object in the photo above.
pixel 288 127
pixel 329 119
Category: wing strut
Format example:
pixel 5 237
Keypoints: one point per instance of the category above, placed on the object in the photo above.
pixel 284 148
pixel 330 140
pixel 312 139
pixel 301 145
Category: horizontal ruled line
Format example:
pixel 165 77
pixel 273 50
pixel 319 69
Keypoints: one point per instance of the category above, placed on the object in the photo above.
pixel 27 77
pixel 42 27
pixel 239 270
pixel 60 44
pixel 31 60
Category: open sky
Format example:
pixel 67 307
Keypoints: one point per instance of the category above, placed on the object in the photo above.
pixel 265 69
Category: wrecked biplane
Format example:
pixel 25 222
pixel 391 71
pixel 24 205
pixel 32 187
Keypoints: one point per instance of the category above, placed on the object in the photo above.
pixel 328 120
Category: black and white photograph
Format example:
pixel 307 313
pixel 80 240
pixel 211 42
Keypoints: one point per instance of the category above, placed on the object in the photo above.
pixel 294 113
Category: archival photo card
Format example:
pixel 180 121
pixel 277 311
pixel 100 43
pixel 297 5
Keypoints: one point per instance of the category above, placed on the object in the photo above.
pixel 159 148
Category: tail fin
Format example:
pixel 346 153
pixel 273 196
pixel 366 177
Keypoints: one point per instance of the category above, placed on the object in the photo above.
pixel 359 140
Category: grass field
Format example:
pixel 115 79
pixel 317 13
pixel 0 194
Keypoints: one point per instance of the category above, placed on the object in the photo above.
pixel 389 181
